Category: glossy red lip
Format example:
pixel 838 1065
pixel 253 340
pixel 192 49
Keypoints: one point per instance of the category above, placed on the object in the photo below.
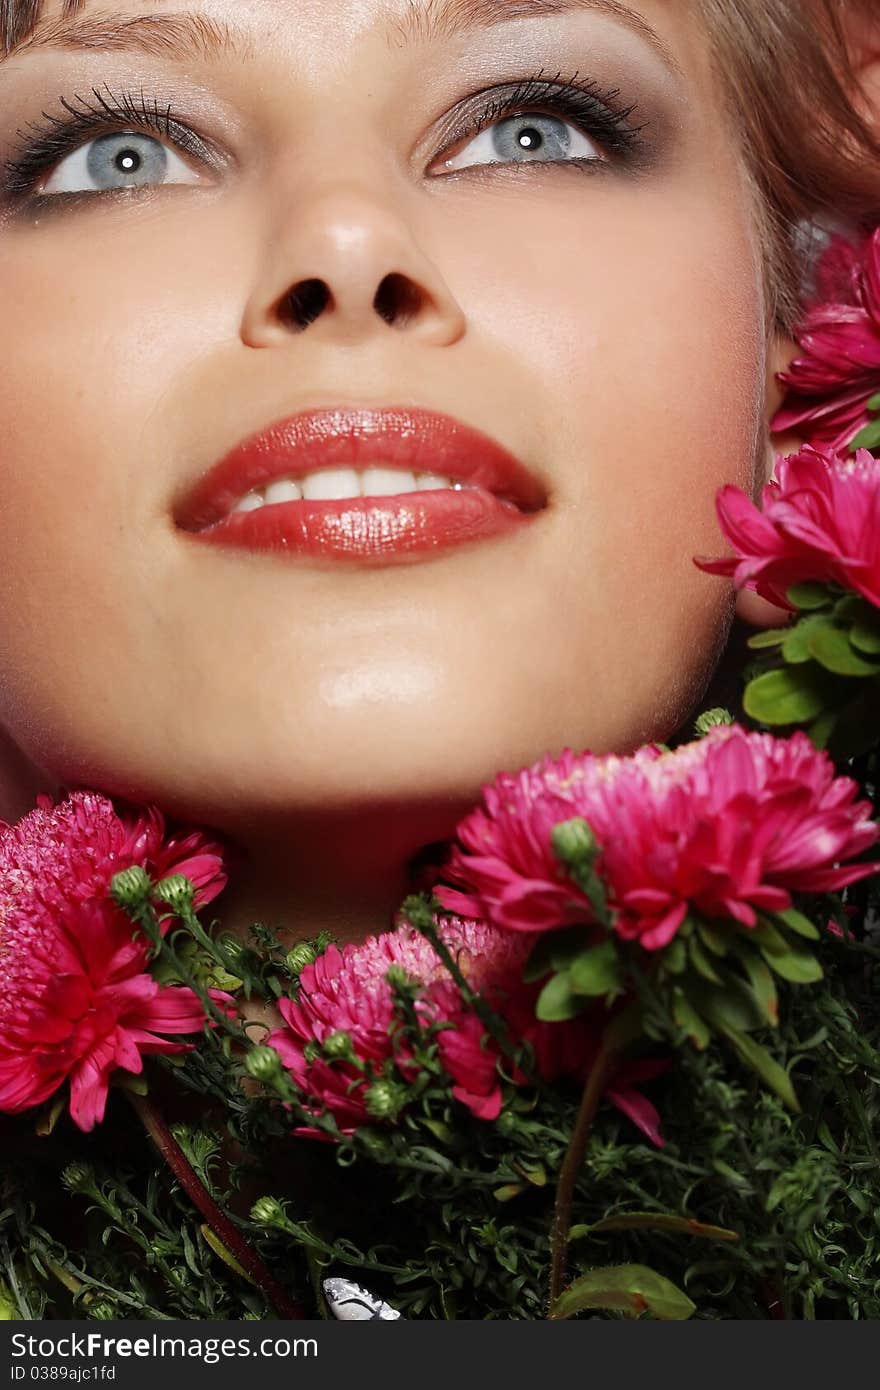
pixel 499 492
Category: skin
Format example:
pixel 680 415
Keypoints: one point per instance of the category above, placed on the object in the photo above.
pixel 608 328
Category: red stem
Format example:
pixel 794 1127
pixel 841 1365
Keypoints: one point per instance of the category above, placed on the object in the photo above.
pixel 571 1167
pixel 216 1218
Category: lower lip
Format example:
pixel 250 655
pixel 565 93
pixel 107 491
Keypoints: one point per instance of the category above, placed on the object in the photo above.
pixel 377 530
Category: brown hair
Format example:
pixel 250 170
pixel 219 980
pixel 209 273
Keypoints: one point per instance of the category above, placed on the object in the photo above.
pixel 789 74
pixel 789 68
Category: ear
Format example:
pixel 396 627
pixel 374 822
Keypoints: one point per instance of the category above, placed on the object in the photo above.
pixel 862 33
pixel 751 609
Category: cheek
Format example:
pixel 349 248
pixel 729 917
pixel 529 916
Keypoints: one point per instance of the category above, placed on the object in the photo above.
pixel 106 318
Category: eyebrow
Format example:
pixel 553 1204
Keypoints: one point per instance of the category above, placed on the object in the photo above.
pixel 430 19
pixel 156 35
pixel 197 36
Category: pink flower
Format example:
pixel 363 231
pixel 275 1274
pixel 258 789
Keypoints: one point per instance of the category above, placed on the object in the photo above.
pixel 838 371
pixel 76 999
pixel 347 991
pixel 820 521
pixel 729 826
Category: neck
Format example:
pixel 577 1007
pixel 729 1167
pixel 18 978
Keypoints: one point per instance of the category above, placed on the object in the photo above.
pixel 344 874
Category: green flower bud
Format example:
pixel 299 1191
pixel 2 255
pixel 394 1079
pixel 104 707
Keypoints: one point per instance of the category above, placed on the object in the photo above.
pixel 338 1047
pixel 263 1063
pixel 78 1177
pixel 177 891
pixel 311 1051
pixel 299 957
pixel 130 887
pixel 712 719
pixel 574 842
pixel 398 978
pixel 103 1311
pixel 384 1100
pixel 267 1211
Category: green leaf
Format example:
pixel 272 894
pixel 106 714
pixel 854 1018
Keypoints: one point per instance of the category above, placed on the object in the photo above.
pixel 630 1289
pixel 830 646
pixel 866 637
pixel 508 1191
pixel 797 922
pixel 821 729
pixel 675 956
pixel 868 438
pixel 702 964
pixel 733 1006
pixel 657 1221
pixel 553 951
pixel 687 1018
pixel 773 637
pixel 766 1067
pixel 761 982
pixel 718 941
pixel 796 647
pixel 220 1250
pixel 797 965
pixel 874 404
pixel 597 971
pixel 808 596
pixel 557 1002
pixel 789 959
pixel 787 696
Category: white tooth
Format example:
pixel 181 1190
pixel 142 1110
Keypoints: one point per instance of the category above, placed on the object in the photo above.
pixel 429 482
pixel 386 482
pixel 329 484
pixel 284 490
pixel 249 503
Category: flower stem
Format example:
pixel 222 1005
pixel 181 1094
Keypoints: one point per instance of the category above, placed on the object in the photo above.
pixel 216 1218
pixel 571 1167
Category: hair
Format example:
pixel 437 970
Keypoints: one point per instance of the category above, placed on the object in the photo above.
pixel 789 72
pixel 813 153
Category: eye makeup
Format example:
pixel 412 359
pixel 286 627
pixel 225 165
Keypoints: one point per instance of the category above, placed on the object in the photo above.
pixel 42 145
pixel 596 112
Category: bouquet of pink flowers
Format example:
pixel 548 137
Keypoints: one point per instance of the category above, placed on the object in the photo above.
pixel 632 1013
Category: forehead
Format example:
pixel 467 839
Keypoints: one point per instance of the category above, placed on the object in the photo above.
pixel 409 20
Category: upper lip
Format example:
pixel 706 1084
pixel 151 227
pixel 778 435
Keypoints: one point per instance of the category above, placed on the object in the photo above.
pixel 415 440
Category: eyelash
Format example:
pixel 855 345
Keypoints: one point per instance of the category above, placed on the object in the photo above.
pixel 43 146
pixel 578 100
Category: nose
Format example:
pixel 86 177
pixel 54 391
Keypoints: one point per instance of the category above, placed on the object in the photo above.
pixel 347 268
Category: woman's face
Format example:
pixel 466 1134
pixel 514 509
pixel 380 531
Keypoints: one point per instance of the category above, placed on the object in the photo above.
pixel 581 283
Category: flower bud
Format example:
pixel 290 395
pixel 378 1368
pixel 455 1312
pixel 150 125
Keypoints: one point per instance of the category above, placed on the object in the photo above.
pixel 384 1100
pixel 263 1063
pixel 78 1177
pixel 130 887
pixel 574 842
pixel 338 1048
pixel 299 957
pixel 103 1311
pixel 177 891
pixel 398 978
pixel 267 1211
pixel 712 719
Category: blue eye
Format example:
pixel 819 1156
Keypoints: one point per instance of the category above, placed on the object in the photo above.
pixel 527 139
pixel 126 159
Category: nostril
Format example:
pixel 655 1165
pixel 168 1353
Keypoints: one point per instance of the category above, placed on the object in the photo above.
pixel 397 300
pixel 306 302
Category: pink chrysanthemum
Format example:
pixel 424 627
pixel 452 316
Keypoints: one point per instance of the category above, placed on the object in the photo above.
pixel 76 999
pixel 819 521
pixel 347 991
pixel 728 826
pixel 838 371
